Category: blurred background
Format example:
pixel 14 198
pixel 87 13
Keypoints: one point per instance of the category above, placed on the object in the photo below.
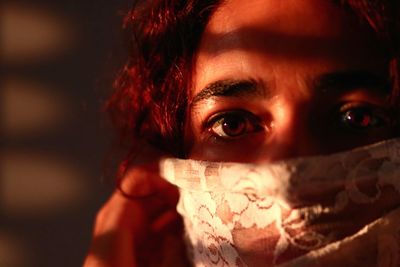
pixel 58 59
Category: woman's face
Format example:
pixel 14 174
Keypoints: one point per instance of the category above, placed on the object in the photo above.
pixel 279 79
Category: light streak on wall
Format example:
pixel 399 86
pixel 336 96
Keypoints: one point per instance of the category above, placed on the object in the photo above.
pixel 38 184
pixel 31 34
pixel 13 251
pixel 53 143
pixel 31 107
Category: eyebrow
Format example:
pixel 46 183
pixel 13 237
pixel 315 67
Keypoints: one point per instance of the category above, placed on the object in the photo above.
pixel 229 87
pixel 335 81
pixel 348 80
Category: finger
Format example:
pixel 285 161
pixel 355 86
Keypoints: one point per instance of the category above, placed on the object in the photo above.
pixel 174 252
pixel 114 233
pixel 144 181
pixel 154 207
pixel 170 221
pixel 143 207
pixel 111 249
pixel 164 246
pixel 121 226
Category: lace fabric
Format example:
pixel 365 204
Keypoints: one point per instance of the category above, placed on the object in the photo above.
pixel 336 210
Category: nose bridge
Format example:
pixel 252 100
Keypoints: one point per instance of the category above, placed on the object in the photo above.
pixel 291 136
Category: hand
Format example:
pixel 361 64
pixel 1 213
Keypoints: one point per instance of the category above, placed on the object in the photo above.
pixel 139 225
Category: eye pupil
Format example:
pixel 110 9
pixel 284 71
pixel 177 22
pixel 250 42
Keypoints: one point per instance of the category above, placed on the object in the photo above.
pixel 233 126
pixel 358 119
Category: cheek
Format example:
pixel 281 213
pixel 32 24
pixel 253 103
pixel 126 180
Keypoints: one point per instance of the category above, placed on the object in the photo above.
pixel 249 149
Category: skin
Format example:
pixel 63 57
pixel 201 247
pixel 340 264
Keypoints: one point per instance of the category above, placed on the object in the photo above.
pixel 271 80
pixel 144 230
pixel 289 50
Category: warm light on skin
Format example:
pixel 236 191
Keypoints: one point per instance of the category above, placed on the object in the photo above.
pixel 286 48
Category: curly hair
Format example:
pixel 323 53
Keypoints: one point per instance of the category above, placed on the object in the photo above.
pixel 150 97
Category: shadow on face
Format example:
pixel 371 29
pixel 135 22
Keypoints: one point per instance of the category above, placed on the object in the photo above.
pixel 280 80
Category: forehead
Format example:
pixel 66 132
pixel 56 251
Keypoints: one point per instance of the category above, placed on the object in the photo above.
pixel 292 17
pixel 247 36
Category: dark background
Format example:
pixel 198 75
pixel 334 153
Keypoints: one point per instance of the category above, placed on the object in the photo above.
pixel 58 60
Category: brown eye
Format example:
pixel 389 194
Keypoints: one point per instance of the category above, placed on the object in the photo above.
pixel 363 117
pixel 233 124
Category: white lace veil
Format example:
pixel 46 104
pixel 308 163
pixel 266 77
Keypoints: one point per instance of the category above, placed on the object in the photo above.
pixel 335 210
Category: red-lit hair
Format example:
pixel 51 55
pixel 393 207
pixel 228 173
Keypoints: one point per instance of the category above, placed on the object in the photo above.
pixel 150 95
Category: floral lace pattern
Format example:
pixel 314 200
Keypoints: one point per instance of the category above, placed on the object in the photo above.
pixel 337 210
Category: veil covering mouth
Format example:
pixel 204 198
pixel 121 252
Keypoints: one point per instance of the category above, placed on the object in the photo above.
pixel 333 210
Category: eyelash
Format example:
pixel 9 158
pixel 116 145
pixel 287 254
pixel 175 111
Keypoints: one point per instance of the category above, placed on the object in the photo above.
pixel 360 116
pixel 353 117
pixel 249 123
